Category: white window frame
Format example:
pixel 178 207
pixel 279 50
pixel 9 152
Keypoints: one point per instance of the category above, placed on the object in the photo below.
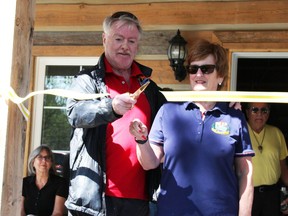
pixel 40 71
pixel 253 55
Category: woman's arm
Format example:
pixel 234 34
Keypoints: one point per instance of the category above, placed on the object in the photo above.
pixel 59 207
pixel 244 172
pixel 149 156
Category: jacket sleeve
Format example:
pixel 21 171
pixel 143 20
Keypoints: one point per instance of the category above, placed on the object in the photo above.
pixel 89 113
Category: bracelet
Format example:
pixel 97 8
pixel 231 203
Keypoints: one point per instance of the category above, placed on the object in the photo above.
pixel 141 141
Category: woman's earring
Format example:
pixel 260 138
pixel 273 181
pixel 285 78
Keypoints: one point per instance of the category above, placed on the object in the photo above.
pixel 219 84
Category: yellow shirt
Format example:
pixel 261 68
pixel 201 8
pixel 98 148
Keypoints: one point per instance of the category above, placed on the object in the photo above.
pixel 266 165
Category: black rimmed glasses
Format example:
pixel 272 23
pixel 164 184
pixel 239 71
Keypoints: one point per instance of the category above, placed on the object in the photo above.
pixel 119 14
pixel 262 110
pixel 205 69
pixel 45 158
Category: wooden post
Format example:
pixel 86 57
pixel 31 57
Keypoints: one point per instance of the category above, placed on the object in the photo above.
pixel 17 21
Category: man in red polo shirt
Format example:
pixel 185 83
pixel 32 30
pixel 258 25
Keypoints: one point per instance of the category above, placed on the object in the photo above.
pixel 105 175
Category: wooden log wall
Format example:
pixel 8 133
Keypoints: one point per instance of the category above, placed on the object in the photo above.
pixel 74 29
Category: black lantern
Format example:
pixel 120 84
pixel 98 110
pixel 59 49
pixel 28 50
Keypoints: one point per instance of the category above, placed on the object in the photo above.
pixel 177 52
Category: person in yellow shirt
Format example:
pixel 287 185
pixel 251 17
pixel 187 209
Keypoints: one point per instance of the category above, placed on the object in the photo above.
pixel 269 164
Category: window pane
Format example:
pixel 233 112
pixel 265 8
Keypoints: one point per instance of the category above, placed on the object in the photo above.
pixel 55 127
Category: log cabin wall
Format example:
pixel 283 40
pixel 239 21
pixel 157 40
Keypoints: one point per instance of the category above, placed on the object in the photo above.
pixel 74 28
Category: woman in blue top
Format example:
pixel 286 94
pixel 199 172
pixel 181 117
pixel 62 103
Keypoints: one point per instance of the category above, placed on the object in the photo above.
pixel 43 192
pixel 205 146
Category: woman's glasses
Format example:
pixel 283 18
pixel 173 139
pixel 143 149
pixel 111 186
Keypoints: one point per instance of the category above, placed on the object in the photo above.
pixel 206 69
pixel 263 110
pixel 45 158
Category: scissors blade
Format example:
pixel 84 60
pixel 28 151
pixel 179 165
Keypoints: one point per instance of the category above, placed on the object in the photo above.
pixel 137 93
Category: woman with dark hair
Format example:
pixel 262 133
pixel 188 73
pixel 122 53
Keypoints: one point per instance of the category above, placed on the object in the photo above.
pixel 207 168
pixel 43 192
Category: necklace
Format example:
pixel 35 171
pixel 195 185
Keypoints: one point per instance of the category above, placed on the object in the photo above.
pixel 260 147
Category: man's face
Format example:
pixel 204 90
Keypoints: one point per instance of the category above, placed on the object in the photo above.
pixel 121 45
pixel 257 115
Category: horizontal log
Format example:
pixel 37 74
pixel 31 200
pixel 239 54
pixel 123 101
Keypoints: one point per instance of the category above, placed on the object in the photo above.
pixel 116 1
pixel 39 51
pixel 76 51
pixel 188 15
pixel 252 36
pixel 157 42
pixel 152 38
pixel 67 38
pixel 257 47
pixel 152 42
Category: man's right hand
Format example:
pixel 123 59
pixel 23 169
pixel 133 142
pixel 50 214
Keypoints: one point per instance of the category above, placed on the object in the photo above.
pixel 122 103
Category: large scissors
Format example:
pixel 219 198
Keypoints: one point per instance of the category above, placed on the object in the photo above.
pixel 137 93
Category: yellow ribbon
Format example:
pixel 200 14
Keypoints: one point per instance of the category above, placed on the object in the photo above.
pixel 228 96
pixel 10 94
pixel 57 92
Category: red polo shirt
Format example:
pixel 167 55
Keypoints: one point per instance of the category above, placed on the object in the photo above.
pixel 125 176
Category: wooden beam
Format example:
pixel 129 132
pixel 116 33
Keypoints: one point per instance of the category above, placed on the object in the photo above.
pixel 252 36
pixel 7 20
pixel 152 42
pixel 156 42
pixel 257 46
pixel 120 2
pixel 39 51
pixel 17 125
pixel 214 15
pixel 68 38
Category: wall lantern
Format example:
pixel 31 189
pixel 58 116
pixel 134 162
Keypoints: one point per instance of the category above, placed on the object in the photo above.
pixel 177 52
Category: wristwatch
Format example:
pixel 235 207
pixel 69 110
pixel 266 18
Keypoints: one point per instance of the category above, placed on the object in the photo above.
pixel 141 142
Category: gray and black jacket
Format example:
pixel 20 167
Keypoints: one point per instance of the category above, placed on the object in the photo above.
pixel 89 120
